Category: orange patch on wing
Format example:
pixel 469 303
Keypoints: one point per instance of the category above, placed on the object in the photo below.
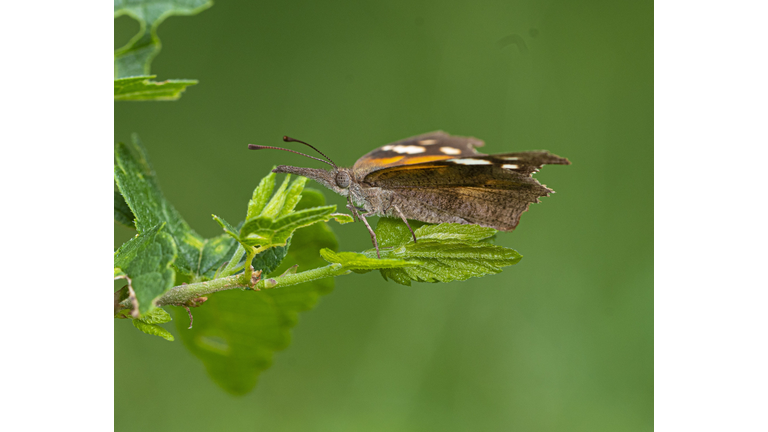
pixel 421 159
pixel 386 161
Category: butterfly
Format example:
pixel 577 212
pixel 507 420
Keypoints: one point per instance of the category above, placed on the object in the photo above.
pixel 434 177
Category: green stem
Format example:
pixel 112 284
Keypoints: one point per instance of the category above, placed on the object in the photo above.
pixel 180 295
pixel 248 271
pixel 183 294
pixel 232 266
pixel 330 270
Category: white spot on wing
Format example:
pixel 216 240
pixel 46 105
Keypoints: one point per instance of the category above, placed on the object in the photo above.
pixel 469 161
pixel 427 141
pixel 387 147
pixel 411 149
pixel 510 166
pixel 450 150
pixel 510 158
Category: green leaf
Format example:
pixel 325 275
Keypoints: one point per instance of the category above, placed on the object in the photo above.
pixel 293 196
pixel 271 258
pixel 215 252
pixel 123 213
pixel 147 260
pixel 392 232
pixel 141 88
pixel 152 329
pixel 155 316
pixel 260 196
pixel 305 248
pixel 360 263
pixel 136 181
pixel 128 251
pixel 135 58
pixel 228 228
pixel 148 323
pixel 265 231
pixel 271 222
pixel 454 233
pixel 236 333
pixel 265 261
pixel 342 218
pixel 274 207
pixel 446 252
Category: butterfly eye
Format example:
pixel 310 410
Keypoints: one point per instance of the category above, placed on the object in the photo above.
pixel 342 179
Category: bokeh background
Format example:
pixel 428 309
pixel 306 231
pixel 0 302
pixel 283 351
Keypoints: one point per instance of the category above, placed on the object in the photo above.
pixel 563 341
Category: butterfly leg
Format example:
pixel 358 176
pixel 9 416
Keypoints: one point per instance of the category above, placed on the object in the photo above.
pixel 351 207
pixel 402 216
pixel 373 234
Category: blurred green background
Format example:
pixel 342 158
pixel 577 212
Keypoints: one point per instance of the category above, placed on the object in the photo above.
pixel 563 341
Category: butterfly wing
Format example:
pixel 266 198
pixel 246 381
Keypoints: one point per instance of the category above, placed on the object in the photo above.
pixel 488 190
pixel 428 147
pixel 470 170
pixel 496 208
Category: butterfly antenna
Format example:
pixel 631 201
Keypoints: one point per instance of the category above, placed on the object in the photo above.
pixel 261 147
pixel 289 139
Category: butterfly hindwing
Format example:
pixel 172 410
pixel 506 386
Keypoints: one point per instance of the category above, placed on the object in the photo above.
pixel 496 208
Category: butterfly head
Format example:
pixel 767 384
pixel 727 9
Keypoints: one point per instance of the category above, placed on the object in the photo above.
pixel 337 179
pixel 343 180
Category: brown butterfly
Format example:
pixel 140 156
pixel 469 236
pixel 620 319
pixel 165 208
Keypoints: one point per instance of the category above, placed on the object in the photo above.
pixel 435 178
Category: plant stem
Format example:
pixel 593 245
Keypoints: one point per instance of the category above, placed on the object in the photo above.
pixel 182 294
pixel 232 265
pixel 330 270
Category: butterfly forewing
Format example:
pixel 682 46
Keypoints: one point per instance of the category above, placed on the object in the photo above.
pixel 497 171
pixel 428 147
